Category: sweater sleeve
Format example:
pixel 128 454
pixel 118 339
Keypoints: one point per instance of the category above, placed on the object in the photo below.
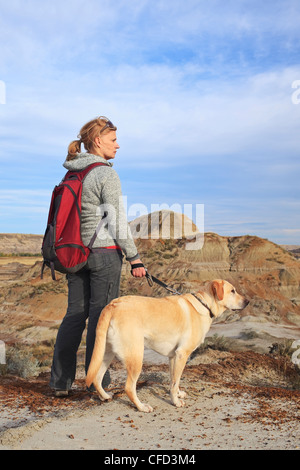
pixel 117 220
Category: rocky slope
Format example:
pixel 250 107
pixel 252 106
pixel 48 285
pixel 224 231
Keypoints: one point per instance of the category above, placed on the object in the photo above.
pixel 266 273
pixel 20 243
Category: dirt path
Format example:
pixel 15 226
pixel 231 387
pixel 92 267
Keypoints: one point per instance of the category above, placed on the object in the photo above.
pixel 235 401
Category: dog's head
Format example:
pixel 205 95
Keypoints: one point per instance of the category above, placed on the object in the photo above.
pixel 227 297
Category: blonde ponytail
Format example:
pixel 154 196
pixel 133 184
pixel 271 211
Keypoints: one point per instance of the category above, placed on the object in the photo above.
pixel 73 149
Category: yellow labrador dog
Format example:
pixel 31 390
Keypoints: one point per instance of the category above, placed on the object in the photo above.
pixel 173 326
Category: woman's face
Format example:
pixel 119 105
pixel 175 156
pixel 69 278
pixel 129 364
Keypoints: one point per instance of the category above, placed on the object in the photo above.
pixel 106 145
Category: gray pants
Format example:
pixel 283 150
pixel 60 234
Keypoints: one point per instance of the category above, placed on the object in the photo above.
pixel 90 290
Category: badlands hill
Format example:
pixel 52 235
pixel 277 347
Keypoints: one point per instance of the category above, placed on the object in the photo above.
pixel 266 273
pixel 18 243
pixel 163 224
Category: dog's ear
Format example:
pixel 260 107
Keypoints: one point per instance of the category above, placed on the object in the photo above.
pixel 218 289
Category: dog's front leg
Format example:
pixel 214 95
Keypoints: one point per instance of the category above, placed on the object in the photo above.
pixel 177 364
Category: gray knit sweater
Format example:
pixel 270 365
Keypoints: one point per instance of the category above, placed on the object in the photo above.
pixel 102 193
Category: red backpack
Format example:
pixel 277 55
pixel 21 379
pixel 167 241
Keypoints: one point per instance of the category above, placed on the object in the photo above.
pixel 62 247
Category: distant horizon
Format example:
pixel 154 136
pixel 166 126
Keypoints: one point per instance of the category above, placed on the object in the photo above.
pixel 205 233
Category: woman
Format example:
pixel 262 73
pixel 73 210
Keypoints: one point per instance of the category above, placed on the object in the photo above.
pixel 93 287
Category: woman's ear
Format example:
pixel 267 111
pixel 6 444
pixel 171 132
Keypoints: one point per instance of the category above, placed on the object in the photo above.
pixel 218 289
pixel 97 142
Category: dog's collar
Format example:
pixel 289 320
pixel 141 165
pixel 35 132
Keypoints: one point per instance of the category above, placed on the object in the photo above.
pixel 204 305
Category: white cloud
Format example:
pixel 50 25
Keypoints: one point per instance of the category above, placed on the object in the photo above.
pixel 23 210
pixel 23 197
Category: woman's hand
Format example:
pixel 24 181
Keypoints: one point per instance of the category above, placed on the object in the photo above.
pixel 138 271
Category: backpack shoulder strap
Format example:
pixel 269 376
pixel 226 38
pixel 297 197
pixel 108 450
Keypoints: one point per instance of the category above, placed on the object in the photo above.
pixel 81 174
pixel 102 221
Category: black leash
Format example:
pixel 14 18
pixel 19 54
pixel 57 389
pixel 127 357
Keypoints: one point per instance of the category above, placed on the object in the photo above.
pixel 152 279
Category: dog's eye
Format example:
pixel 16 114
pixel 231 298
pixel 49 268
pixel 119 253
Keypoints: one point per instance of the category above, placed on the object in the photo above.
pixel 233 291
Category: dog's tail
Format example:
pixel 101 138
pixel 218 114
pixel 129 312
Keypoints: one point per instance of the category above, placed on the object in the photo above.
pixel 100 345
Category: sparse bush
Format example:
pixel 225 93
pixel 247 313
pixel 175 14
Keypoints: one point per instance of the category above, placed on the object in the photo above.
pixel 21 362
pixel 249 334
pixel 216 342
pixel 283 349
pixel 167 255
pixel 220 343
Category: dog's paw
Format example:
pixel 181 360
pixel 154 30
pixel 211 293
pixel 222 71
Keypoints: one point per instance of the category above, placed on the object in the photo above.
pixel 181 394
pixel 179 403
pixel 145 408
pixel 105 396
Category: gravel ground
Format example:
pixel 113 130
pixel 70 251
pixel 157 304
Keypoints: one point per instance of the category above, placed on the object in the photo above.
pixel 236 400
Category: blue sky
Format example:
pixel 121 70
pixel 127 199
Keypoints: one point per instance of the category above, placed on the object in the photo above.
pixel 201 92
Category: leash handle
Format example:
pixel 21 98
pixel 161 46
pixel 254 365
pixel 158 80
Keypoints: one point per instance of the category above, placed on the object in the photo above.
pixel 149 279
